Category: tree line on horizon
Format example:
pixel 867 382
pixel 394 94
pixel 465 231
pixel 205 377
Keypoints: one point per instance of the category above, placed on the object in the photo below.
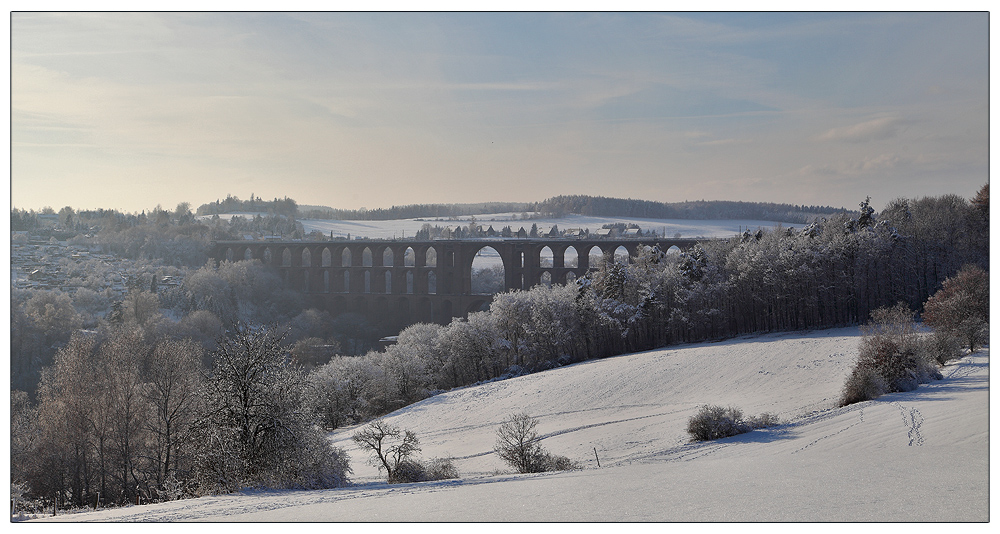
pixel 557 206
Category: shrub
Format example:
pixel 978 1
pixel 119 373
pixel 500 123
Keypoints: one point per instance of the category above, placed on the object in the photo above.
pixel 892 357
pixel 763 420
pixel 441 469
pixel 407 471
pixel 555 462
pixel 716 422
pixel 416 471
pixel 518 445
pixel 942 347
pixel 863 384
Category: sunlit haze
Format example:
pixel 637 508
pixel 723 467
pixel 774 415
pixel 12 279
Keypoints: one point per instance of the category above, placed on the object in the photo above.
pixel 350 110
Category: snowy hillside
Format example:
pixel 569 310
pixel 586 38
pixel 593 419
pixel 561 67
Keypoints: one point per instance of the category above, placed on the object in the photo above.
pixel 408 227
pixel 401 228
pixel 917 456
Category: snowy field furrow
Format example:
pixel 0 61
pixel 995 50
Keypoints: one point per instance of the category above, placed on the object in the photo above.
pixel 915 456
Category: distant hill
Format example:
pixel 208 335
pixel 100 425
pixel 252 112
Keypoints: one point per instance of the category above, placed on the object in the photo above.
pixel 551 207
pixel 704 210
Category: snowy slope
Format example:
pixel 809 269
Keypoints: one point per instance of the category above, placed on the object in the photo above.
pixel 917 456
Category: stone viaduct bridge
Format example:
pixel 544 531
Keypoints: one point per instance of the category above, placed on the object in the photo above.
pixel 397 283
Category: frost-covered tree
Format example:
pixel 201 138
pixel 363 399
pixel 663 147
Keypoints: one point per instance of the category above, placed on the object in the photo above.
pixel 962 307
pixel 255 432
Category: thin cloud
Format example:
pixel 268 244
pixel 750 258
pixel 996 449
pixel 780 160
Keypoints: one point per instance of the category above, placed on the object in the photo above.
pixel 863 132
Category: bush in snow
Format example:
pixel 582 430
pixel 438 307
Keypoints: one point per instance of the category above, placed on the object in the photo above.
pixel 440 469
pixel 416 471
pixel 864 383
pixel 716 422
pixel 892 356
pixel 942 347
pixel 518 445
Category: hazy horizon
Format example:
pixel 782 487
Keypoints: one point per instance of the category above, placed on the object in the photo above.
pixel 349 110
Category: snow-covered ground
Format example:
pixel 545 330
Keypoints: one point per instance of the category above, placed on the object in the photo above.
pixel 401 228
pixel 916 456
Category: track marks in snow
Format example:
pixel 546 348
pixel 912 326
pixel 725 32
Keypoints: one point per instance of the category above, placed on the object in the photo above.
pixel 912 420
pixel 820 417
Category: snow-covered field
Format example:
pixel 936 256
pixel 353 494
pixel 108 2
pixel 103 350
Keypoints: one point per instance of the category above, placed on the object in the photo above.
pixel 408 227
pixel 916 456
pixel 401 228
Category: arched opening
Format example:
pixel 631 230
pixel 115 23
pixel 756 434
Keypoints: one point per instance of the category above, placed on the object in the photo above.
pixel 366 257
pixel 388 282
pixel 546 279
pixel 347 281
pixel 267 256
pixel 674 250
pixel 409 257
pixel 571 257
pixel 387 257
pixel 229 254
pixel 248 254
pixel 570 278
pixel 345 258
pixel 368 281
pixel 431 258
pixel 545 257
pixel 305 282
pixel 409 281
pixel 327 257
pixel 286 258
pixel 621 254
pixel 595 257
pixel 306 258
pixel 488 276
pixel 326 281
pixel 432 283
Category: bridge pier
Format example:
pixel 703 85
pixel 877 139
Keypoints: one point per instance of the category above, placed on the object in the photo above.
pixel 403 282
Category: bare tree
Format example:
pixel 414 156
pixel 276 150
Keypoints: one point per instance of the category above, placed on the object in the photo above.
pixel 518 444
pixel 390 446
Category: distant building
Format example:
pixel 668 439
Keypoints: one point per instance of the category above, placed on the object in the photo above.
pixel 606 232
pixel 632 232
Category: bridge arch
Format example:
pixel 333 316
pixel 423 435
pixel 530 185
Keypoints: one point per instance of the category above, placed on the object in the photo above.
pixel 334 275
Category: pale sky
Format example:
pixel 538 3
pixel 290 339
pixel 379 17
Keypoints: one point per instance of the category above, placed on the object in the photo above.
pixel 350 110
